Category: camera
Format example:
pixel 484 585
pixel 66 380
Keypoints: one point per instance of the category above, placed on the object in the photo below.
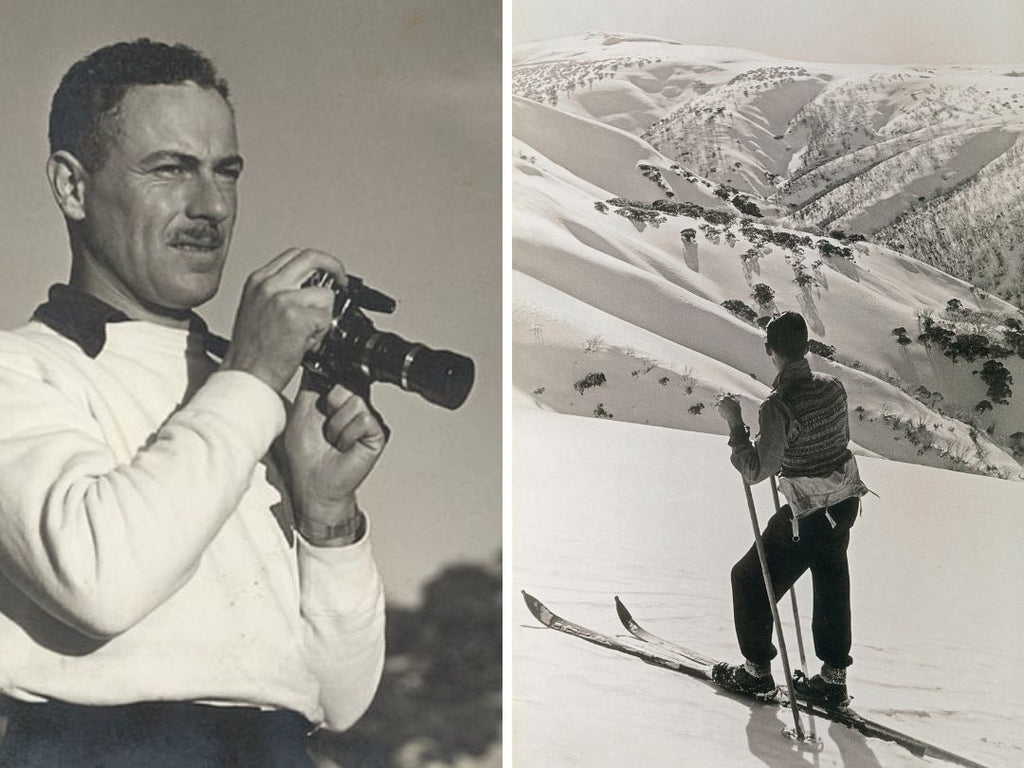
pixel 354 346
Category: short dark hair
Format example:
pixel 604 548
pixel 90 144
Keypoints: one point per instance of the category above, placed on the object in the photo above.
pixel 787 335
pixel 91 91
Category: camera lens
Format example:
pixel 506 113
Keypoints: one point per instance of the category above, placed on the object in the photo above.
pixel 442 377
pixel 439 376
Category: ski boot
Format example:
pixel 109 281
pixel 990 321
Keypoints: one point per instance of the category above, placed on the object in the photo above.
pixel 821 692
pixel 745 679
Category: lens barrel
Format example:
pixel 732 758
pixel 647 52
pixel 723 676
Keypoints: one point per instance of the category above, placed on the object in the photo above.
pixel 439 376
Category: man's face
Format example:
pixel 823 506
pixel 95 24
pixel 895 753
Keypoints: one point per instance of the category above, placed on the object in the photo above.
pixel 159 212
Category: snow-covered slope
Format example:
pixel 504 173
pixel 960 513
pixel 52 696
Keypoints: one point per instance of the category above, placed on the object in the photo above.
pixel 657 516
pixel 924 159
pixel 623 259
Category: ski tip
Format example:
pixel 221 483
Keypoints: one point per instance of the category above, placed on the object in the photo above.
pixel 537 608
pixel 624 615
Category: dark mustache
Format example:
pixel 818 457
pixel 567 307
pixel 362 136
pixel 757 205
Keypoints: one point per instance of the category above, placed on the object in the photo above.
pixel 204 236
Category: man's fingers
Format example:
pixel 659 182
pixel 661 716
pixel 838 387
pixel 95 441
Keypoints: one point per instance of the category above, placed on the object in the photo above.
pixel 295 271
pixel 275 264
pixel 362 430
pixel 350 421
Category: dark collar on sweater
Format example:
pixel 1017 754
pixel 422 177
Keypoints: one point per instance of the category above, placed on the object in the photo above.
pixel 793 372
pixel 82 318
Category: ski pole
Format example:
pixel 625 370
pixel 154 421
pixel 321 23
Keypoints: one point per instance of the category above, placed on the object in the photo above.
pixel 775 611
pixel 792 591
pixel 796 612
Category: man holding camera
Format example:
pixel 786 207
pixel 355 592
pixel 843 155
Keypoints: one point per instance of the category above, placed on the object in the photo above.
pixel 178 586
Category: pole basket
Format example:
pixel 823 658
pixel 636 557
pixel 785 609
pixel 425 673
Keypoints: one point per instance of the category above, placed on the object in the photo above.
pixel 808 742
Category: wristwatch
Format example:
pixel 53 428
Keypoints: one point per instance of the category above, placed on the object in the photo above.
pixel 349 531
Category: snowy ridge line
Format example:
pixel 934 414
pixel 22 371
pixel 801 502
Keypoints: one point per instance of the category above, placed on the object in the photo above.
pixel 702 671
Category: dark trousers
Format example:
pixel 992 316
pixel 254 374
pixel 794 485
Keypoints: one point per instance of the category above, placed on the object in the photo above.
pixel 822 549
pixel 151 735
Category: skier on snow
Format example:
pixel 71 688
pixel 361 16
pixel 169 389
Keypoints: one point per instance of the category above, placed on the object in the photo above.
pixel 804 437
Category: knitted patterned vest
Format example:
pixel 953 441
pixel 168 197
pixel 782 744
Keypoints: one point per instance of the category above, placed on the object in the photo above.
pixel 815 404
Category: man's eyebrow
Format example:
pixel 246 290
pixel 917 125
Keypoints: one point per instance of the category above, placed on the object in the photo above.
pixel 169 156
pixel 189 161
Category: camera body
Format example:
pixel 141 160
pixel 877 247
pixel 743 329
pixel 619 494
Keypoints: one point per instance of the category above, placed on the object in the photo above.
pixel 354 347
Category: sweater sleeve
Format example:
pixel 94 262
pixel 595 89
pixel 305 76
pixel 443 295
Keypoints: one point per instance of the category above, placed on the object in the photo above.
pixel 763 458
pixel 342 604
pixel 98 543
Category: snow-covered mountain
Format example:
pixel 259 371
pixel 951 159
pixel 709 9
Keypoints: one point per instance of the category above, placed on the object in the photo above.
pixel 657 222
pixel 658 517
pixel 926 160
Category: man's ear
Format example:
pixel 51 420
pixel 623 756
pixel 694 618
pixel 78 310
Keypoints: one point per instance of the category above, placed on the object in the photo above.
pixel 67 177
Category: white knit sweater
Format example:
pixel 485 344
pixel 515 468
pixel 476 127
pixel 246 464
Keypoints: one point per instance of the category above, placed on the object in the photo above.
pixel 145 552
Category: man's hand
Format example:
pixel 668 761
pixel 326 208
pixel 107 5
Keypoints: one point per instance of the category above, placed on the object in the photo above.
pixel 278 320
pixel 729 409
pixel 332 441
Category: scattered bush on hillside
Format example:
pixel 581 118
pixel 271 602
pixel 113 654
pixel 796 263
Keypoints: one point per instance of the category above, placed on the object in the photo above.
pixel 642 215
pixel 933 333
pixel 901 335
pixel 712 233
pixel 787 240
pixel 926 396
pixel 763 294
pixel 751 254
pixel 601 207
pixel 801 277
pixel 588 381
pixel 998 379
pixel 915 430
pixel 828 250
pixel 663 381
pixel 652 173
pixel 688 235
pixel 1013 335
pixel 730 239
pixel 718 217
pixel 740 309
pixel 697 409
pixel 647 364
pixel 746 206
pixel 820 349
pixel 601 413
pixel 1017 445
pixel 983 406
pixel 852 237
pixel 593 343
pixel 969 346
pixel 919 435
pixel 672 208
pixel 954 305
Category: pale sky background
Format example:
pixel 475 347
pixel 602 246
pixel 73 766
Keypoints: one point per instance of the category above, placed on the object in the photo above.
pixel 370 130
pixel 867 31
